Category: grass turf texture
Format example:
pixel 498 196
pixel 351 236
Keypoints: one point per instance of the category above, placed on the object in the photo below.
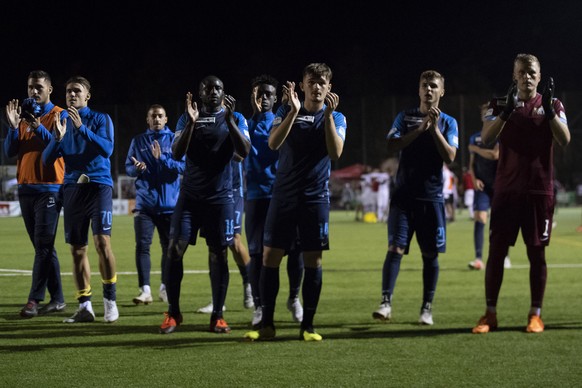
pixel 356 350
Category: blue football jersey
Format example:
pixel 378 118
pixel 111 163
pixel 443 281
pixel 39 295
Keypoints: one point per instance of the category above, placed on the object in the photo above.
pixel 420 167
pixel 304 164
pixel 484 168
pixel 208 174
pixel 261 163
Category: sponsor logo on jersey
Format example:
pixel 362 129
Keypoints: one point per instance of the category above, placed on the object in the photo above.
pixel 306 119
pixel 206 120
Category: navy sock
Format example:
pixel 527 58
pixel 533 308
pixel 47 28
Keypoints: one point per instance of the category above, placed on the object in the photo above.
pixel 430 276
pixel 478 238
pixel 219 278
pixel 174 275
pixel 244 272
pixel 295 273
pixel 269 291
pixel 390 272
pixel 255 276
pixel 311 292
pixel 109 291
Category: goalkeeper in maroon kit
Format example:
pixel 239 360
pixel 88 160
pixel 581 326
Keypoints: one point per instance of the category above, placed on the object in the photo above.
pixel 527 124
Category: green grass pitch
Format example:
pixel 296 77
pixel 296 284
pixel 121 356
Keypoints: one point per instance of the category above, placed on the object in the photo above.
pixel 356 350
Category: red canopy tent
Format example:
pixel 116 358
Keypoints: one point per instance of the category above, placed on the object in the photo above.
pixel 350 172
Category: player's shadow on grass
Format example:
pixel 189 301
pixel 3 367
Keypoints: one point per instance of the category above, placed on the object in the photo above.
pixel 52 335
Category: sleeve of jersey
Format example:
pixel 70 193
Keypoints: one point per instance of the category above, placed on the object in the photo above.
pixel 340 125
pixel 129 166
pixel 243 126
pixel 11 143
pixel 171 165
pixel 560 111
pixel 44 134
pixel 280 115
pixel 102 138
pixel 396 131
pixel 51 152
pixel 182 122
pixel 452 132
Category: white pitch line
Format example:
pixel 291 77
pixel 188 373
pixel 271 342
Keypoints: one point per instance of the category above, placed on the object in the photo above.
pixel 19 272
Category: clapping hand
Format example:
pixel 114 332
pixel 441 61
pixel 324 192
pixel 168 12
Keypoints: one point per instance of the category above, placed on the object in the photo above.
pixel 331 102
pixel 13 113
pixel 60 128
pixel 547 99
pixel 156 149
pixel 255 101
pixel 229 104
pixel 510 102
pixel 191 108
pixel 75 116
pixel 290 95
pixel 140 166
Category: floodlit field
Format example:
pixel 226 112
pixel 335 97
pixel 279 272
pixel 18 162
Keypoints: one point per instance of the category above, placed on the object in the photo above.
pixel 356 351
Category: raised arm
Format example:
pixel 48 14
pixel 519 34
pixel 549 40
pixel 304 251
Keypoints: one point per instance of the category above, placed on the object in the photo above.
pixel 559 127
pixel 240 142
pixel 445 150
pixel 333 142
pixel 182 139
pixel 280 132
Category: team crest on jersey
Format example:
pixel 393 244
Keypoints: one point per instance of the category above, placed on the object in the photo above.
pixel 277 121
pixel 540 111
pixel 306 119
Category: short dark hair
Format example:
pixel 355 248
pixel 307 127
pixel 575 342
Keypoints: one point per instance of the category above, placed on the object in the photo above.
pixel 208 78
pixel 80 80
pixel 36 74
pixel 318 69
pixel 155 106
pixel 265 79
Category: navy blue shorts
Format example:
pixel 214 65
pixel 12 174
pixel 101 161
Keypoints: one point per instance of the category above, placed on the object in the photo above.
pixel 426 218
pixel 287 219
pixel 531 213
pixel 83 204
pixel 191 216
pixel 239 206
pixel 482 200
pixel 255 216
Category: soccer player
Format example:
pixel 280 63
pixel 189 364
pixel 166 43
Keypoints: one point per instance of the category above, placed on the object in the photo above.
pixel 210 138
pixel 261 167
pixel 85 141
pixel 426 138
pixel 468 191
pixel 239 251
pixel 308 136
pixel 526 123
pixel 157 184
pixel 482 166
pixel 39 189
